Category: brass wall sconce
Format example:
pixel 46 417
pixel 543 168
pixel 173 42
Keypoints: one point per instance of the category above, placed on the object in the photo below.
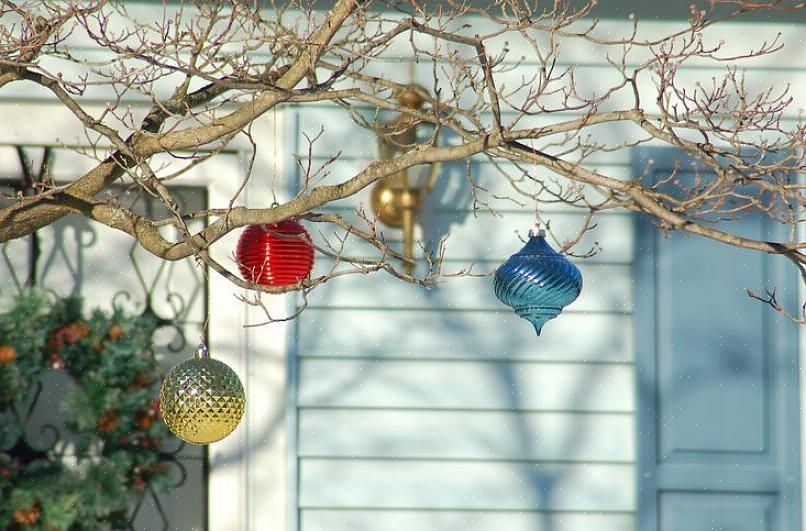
pixel 396 199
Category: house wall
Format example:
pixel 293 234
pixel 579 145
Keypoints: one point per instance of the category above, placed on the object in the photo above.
pixel 439 409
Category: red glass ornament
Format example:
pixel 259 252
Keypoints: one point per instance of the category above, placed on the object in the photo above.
pixel 275 254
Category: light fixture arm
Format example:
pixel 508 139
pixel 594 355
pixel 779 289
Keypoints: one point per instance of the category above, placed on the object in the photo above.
pixel 396 199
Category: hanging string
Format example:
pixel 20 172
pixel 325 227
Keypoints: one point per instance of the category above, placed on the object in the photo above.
pixel 205 325
pixel 538 230
pixel 274 159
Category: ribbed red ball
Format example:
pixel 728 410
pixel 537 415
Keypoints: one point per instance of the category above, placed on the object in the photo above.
pixel 275 254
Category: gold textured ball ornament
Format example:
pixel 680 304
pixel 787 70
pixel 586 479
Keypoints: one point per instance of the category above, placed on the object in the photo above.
pixel 202 399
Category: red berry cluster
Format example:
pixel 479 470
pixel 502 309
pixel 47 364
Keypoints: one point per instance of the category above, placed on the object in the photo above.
pixel 28 516
pixel 69 334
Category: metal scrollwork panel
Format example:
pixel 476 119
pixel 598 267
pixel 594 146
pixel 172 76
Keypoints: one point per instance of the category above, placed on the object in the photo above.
pixel 77 257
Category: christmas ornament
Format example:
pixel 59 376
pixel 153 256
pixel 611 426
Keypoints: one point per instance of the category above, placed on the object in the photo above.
pixel 202 399
pixel 537 281
pixel 276 254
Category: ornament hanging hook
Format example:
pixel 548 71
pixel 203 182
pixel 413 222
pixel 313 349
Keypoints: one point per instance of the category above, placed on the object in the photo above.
pixel 537 228
pixel 205 324
pixel 202 352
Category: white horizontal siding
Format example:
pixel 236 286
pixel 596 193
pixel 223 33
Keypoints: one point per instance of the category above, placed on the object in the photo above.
pixel 611 292
pixel 414 520
pixel 433 333
pixel 404 484
pixel 465 385
pixel 489 237
pixel 467 435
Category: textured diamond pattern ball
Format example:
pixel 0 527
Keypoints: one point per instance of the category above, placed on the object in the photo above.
pixel 202 400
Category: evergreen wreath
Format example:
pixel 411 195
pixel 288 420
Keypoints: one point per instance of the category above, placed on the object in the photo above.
pixel 110 413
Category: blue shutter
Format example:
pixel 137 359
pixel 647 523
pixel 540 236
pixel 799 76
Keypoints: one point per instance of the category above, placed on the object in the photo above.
pixel 718 415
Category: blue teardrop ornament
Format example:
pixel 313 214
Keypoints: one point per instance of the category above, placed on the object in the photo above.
pixel 537 282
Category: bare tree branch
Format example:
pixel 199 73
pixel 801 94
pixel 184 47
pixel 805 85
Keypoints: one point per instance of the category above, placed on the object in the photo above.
pixel 499 89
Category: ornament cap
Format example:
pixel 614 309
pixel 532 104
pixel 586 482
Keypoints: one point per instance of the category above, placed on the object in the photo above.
pixel 537 230
pixel 202 353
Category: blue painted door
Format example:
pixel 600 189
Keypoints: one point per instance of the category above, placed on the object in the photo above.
pixel 718 415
